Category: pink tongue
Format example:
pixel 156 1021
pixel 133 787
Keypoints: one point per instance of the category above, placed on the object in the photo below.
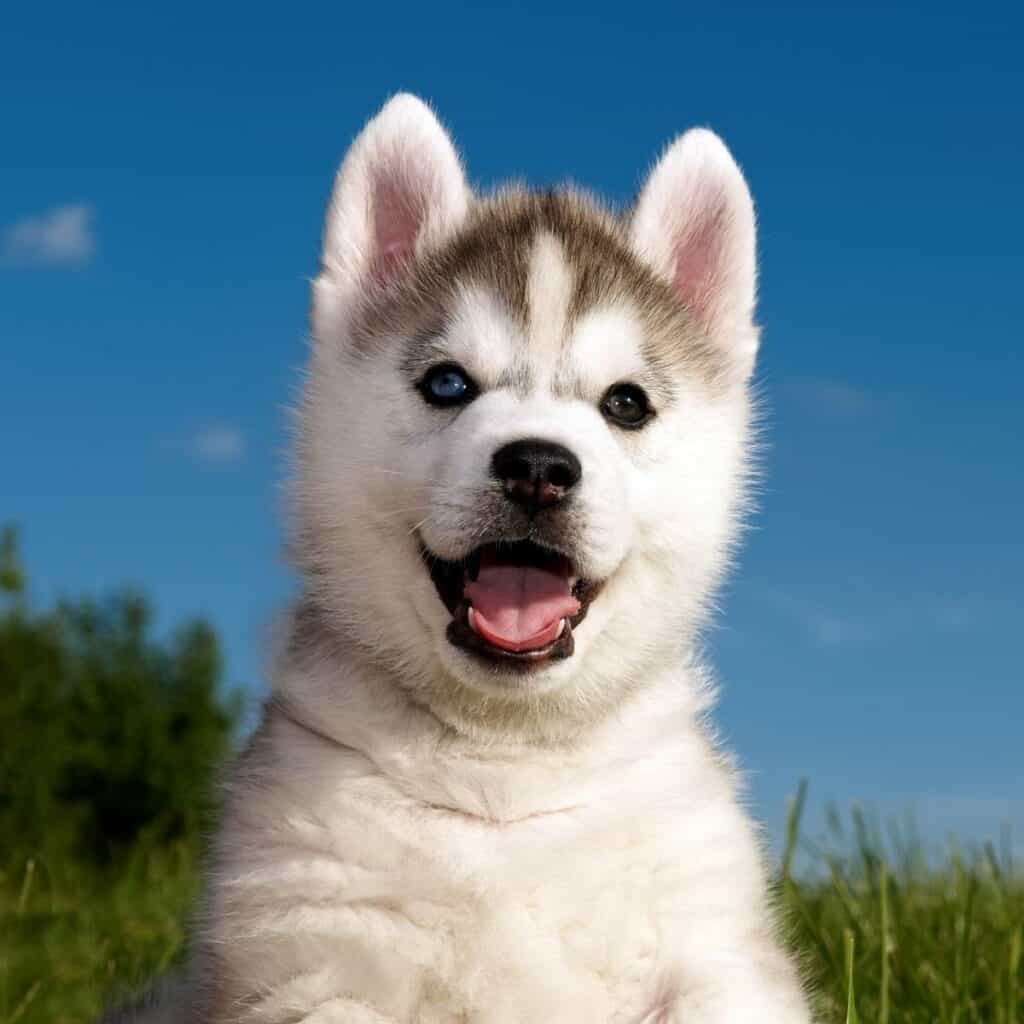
pixel 519 608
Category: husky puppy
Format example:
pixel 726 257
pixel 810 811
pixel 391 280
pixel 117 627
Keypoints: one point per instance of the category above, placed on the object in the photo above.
pixel 485 790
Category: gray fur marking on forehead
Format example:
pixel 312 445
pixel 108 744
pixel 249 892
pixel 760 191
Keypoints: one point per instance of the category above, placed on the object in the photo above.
pixel 493 250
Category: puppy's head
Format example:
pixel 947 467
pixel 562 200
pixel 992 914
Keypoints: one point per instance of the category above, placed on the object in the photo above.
pixel 522 443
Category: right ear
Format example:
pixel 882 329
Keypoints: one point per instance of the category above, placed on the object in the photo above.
pixel 400 190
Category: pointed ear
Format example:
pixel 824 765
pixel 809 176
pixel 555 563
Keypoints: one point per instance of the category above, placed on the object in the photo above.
pixel 694 224
pixel 400 189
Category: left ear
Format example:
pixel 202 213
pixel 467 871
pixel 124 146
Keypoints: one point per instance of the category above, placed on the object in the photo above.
pixel 400 190
pixel 694 224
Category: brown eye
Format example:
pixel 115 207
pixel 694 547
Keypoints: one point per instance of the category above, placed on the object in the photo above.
pixel 627 406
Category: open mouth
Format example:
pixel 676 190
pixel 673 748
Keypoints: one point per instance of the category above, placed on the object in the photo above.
pixel 512 602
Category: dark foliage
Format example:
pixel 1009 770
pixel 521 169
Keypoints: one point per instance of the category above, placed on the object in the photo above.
pixel 110 736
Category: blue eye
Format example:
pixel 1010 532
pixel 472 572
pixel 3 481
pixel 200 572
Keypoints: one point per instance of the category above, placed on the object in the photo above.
pixel 446 385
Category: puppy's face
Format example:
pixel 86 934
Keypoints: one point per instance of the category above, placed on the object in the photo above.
pixel 523 436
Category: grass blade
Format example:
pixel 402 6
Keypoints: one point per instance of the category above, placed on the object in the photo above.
pixel 26 886
pixel 883 1009
pixel 793 815
pixel 26 1002
pixel 1011 988
pixel 851 1005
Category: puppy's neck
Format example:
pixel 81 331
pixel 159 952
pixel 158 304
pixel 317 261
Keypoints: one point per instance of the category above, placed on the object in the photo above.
pixel 334 691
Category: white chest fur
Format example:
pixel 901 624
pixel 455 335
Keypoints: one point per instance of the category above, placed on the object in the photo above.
pixel 416 884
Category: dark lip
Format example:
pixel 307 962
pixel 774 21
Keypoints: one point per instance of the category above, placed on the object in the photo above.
pixel 448 578
pixel 461 635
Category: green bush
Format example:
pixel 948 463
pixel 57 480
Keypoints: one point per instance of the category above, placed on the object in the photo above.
pixel 110 741
pixel 109 735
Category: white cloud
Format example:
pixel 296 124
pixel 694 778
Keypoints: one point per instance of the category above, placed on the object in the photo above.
pixel 826 627
pixel 832 397
pixel 842 399
pixel 218 444
pixel 894 618
pixel 61 237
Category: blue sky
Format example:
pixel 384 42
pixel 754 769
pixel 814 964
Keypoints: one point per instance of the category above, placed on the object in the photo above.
pixel 162 179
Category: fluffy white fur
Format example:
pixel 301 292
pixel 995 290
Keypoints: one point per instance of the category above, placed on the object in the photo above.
pixel 695 224
pixel 413 839
pixel 399 190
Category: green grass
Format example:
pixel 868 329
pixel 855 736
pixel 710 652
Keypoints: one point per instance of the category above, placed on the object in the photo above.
pixel 890 934
pixel 69 936
pixel 886 933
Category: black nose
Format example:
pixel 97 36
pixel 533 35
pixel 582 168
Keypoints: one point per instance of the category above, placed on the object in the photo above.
pixel 536 474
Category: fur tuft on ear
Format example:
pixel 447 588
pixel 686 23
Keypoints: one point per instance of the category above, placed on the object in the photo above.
pixel 400 189
pixel 694 224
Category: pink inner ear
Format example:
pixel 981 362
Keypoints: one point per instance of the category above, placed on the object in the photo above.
pixel 397 218
pixel 700 253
